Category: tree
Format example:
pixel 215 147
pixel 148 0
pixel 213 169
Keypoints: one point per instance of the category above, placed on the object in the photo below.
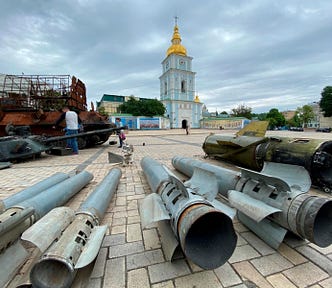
pixel 295 121
pixel 275 118
pixel 145 107
pixel 326 101
pixel 305 114
pixel 242 111
pixel 102 111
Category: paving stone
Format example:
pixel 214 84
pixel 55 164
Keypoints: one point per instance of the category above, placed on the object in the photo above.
pixel 227 275
pixel 117 209
pixel 240 240
pixel 99 266
pixel 118 229
pixel 112 240
pixel 280 281
pixel 168 270
pixel 115 273
pixel 248 272
pixel 133 212
pixel 136 197
pixel 193 266
pixel 134 232
pixel 326 283
pixel 305 274
pixel 239 227
pixel 242 253
pixel 121 201
pixel 257 243
pixel 133 219
pixel 198 280
pixel 144 259
pixel 132 205
pixel 138 278
pixel 166 284
pixel 294 240
pixel 271 264
pixel 119 221
pixel 323 250
pixel 120 214
pixel 317 258
pixel 94 283
pixel 151 239
pixel 290 254
pixel 125 249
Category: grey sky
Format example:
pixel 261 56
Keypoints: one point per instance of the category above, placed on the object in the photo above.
pixel 261 53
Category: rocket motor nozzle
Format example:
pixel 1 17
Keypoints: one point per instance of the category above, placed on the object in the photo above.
pixel 312 219
pixel 52 273
pixel 207 236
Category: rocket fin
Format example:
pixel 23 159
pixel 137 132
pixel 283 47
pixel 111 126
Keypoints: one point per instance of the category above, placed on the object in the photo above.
pixel 152 209
pixel 268 231
pixel 54 223
pixel 91 249
pixel 297 177
pixel 10 261
pixel 254 128
pixel 253 208
pixel 169 243
pixel 204 183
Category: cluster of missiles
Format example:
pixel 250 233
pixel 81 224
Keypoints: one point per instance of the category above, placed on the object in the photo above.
pixel 72 239
pixel 196 216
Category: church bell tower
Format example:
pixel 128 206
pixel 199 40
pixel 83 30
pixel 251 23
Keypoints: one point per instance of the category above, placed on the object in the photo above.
pixel 177 86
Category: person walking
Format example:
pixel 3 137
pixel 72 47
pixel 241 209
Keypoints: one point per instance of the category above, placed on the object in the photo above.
pixel 120 134
pixel 72 126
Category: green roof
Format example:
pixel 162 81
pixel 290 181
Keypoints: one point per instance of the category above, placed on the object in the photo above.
pixel 113 98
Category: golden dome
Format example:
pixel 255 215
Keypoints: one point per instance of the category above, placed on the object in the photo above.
pixel 197 99
pixel 176 46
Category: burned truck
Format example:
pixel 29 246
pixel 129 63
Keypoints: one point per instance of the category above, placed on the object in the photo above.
pixel 31 104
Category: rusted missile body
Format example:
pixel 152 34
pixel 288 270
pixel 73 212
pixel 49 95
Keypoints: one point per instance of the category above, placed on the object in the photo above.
pixel 201 224
pixel 276 195
pixel 251 152
pixel 79 241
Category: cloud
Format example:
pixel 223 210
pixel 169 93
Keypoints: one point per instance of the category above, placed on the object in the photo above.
pixel 264 54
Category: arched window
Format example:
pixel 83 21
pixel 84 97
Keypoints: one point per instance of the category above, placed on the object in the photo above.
pixel 183 86
pixel 165 88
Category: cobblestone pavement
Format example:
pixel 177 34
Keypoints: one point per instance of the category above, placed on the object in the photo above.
pixel 132 257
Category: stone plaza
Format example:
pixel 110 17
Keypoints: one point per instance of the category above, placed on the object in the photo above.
pixel 133 257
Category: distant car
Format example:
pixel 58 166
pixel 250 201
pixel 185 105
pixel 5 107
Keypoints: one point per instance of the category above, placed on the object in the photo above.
pixel 300 129
pixel 326 130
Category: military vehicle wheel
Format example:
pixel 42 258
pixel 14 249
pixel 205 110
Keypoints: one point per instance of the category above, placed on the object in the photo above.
pixel 81 143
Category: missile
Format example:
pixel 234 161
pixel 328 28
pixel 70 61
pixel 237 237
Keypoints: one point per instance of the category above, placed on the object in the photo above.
pixel 249 148
pixel 76 244
pixel 32 190
pixel 189 214
pixel 20 216
pixel 271 202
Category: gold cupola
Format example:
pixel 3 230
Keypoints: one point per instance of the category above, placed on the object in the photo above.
pixel 176 47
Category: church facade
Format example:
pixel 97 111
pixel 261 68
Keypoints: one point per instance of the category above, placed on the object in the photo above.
pixel 177 86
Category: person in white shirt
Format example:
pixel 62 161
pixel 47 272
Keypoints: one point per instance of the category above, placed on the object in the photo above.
pixel 72 126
